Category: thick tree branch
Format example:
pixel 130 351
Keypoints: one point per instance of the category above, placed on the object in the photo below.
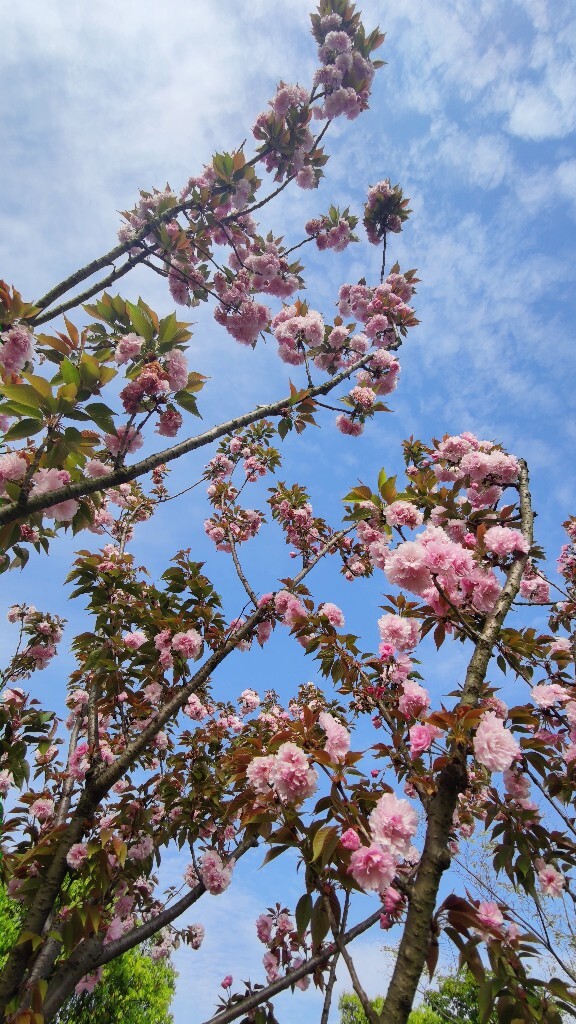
pixel 94 953
pixel 98 784
pixel 124 474
pixel 262 996
pixel 451 782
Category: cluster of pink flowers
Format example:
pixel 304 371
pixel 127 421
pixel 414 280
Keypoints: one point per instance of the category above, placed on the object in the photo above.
pixel 332 232
pixel 16 349
pixel 46 480
pixel 215 875
pixel 270 272
pixel 502 541
pixel 403 514
pixel 385 210
pixel 128 348
pixel 242 317
pixel 151 382
pixel 393 824
pixel 195 935
pixel 421 738
pixel 126 439
pixel 248 701
pixel 289 607
pixel 188 644
pixel 532 587
pixel 244 524
pixel 287 772
pixel 381 309
pixel 402 633
pixel 333 613
pixel 343 67
pixel 415 564
pixel 297 520
pixel 552 882
pixel 276 930
pixel 294 331
pixel 77 856
pixel 487 467
pixel 414 699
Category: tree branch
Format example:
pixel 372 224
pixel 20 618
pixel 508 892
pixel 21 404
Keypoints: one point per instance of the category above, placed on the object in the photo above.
pixel 452 781
pixel 93 953
pixel 124 474
pixel 263 995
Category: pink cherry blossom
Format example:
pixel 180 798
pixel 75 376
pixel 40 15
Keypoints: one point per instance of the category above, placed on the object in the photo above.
pixel 42 808
pixel 407 567
pixel 421 738
pixel 403 513
pixel 129 347
pixel 372 867
pixel 503 541
pixel 334 615
pixel 393 824
pixel 12 468
pixel 264 927
pixel 291 775
pixel 551 881
pixel 337 736
pixel 346 425
pixel 271 966
pixel 188 644
pixel 88 982
pixel 490 916
pixel 46 480
pixel 215 875
pixel 16 349
pixel 350 839
pixel 126 439
pixel 413 700
pixel 135 639
pixel 401 632
pixel 77 855
pixel 195 935
pixel 494 745
pixel 546 695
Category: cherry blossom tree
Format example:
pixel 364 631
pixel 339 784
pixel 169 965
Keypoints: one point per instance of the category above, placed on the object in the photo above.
pixel 153 754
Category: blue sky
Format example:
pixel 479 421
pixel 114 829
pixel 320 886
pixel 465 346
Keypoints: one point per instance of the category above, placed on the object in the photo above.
pixel 474 115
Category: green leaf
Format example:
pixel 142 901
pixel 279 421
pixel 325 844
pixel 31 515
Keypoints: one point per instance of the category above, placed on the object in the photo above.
pixel 168 329
pixel 187 402
pixel 319 923
pixel 303 913
pixel 323 836
pixel 69 372
pixel 101 415
pixel 140 321
pixel 24 394
pixel 24 428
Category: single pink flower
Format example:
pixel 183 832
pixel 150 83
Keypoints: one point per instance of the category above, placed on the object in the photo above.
pixel 372 867
pixel 494 745
pixel 337 736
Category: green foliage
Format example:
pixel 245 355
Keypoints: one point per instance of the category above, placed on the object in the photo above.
pixel 134 990
pixel 9 925
pixel 455 999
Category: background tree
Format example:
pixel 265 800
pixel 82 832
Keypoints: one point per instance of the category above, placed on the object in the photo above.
pixel 454 998
pixel 134 989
